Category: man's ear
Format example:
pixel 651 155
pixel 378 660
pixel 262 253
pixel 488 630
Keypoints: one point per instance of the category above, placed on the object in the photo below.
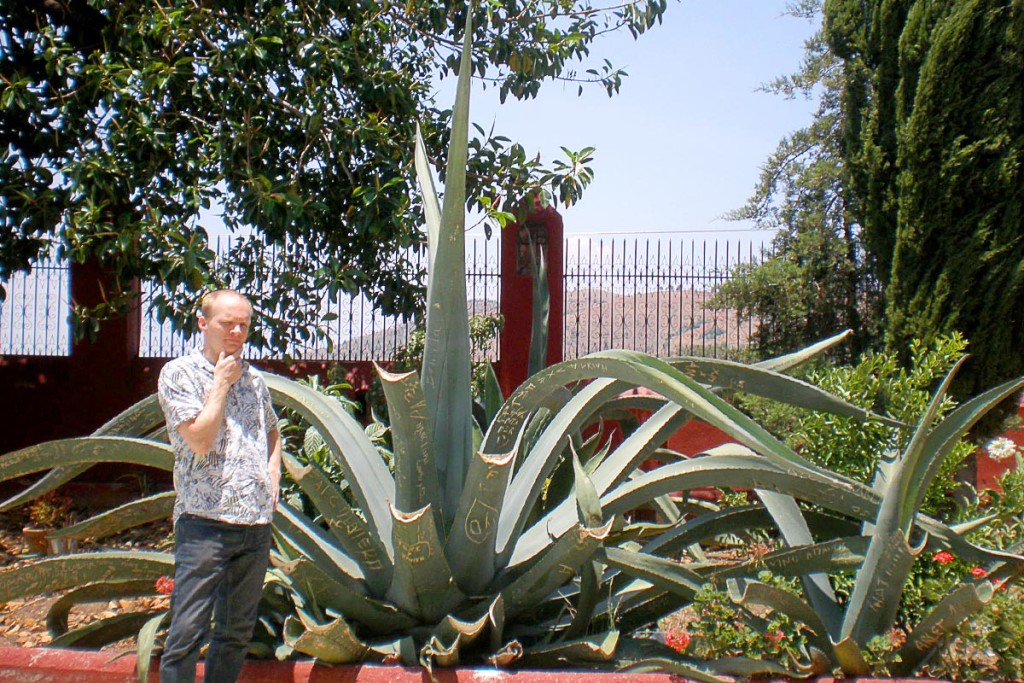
pixel 202 323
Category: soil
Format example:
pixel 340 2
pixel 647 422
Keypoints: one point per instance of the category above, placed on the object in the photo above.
pixel 23 622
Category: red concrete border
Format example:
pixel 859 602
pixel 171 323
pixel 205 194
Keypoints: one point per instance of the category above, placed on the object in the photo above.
pixel 45 665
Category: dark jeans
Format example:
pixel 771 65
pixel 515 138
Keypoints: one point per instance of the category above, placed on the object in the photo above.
pixel 218 571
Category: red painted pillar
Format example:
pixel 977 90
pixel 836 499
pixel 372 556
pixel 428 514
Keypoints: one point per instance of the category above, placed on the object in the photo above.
pixel 104 368
pixel 544 227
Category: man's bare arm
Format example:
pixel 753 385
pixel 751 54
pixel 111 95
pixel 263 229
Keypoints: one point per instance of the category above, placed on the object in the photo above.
pixel 201 432
pixel 274 463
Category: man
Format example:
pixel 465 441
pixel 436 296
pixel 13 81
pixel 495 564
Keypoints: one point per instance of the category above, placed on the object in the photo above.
pixel 227 469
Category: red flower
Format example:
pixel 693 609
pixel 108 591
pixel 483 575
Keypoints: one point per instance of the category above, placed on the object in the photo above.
pixel 776 637
pixel 943 557
pixel 165 585
pixel 678 641
pixel 979 573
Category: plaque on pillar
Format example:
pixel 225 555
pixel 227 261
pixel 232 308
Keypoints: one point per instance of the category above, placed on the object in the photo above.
pixel 531 235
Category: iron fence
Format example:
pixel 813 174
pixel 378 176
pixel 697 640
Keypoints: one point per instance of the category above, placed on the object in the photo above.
pixel 653 295
pixel 357 331
pixel 642 293
pixel 34 317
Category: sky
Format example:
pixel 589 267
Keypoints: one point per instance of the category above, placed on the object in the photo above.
pixel 683 141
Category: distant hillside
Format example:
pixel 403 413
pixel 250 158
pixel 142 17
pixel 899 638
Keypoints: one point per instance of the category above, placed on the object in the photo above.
pixel 664 323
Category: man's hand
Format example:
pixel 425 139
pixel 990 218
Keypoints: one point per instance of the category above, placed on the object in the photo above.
pixel 201 432
pixel 228 369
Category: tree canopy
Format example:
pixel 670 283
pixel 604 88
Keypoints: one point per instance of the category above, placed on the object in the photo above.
pixel 124 124
pixel 933 119
pixel 815 280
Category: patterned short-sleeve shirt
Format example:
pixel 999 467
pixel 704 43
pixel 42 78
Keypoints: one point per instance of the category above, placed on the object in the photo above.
pixel 232 482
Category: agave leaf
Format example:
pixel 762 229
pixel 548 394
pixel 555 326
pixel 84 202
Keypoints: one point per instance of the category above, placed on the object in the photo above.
pixel 353 534
pixel 541 308
pixel 127 516
pixel 959 605
pixel 897 497
pixel 553 568
pixel 102 632
pixel 138 420
pixel 428 193
pixel 736 520
pixel 364 470
pixel 507 655
pixel 643 370
pixel 588 503
pixel 599 647
pixel 446 371
pixel 85 450
pixel 331 643
pixel 675 667
pixel 496 613
pixel 318 586
pixel 838 494
pixel 50 481
pixel 57 615
pixel 837 554
pixel 436 653
pixel 450 637
pixel 630 404
pixel 745 667
pixel 69 571
pixel 416 482
pixel 798 358
pixel 943 439
pixel 527 485
pixel 471 539
pixel 491 398
pixel 146 644
pixel 423 584
pixel 942 536
pixel 313 542
pixel 585 608
pixel 666 574
pixel 640 606
pixel 848 655
pixel 876 593
pixel 749 593
pixel 760 381
pixel 790 520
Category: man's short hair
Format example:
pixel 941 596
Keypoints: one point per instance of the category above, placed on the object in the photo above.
pixel 211 298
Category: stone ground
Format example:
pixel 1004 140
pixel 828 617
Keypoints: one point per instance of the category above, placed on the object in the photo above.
pixel 23 622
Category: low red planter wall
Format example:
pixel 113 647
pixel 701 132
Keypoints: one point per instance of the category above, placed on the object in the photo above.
pixel 44 665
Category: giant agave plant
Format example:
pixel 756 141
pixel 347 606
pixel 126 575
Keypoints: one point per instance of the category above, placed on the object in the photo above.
pixel 511 540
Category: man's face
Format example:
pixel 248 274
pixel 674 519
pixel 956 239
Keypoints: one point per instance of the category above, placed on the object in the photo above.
pixel 227 325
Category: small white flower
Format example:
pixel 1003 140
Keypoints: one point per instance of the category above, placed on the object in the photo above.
pixel 1001 449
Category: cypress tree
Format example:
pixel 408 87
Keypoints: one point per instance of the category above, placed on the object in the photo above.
pixel 933 103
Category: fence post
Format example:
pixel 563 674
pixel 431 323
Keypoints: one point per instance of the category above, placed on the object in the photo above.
pixel 543 226
pixel 108 365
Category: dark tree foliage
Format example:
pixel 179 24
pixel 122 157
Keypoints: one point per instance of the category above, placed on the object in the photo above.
pixel 814 282
pixel 934 139
pixel 124 124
